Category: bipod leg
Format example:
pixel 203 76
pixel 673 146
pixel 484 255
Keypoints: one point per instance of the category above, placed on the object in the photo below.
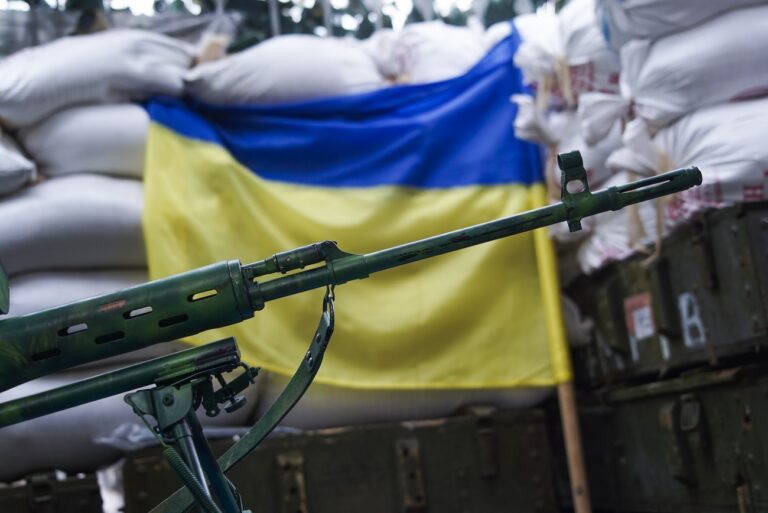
pixel 171 407
pixel 181 434
pixel 221 486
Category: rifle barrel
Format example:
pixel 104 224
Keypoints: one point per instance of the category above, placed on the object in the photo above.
pixel 226 293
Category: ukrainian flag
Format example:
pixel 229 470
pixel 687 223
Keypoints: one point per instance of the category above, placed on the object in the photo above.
pixel 369 171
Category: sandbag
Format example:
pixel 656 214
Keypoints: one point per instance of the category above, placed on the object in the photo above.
pixel 108 139
pixel 726 142
pixel 285 69
pixel 565 55
pixel 380 47
pixel 592 65
pixel 73 440
pixel 623 20
pixel 433 51
pixel 15 169
pixel 42 290
pixel 112 66
pixel 326 406
pixel 719 61
pixel 540 46
pixel 498 31
pixel 532 124
pixel 73 222
pixel 566 124
pixel 560 131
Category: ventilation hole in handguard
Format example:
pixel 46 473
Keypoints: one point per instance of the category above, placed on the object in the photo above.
pixel 71 330
pixel 198 296
pixel 44 355
pixel 138 312
pixel 170 321
pixel 109 337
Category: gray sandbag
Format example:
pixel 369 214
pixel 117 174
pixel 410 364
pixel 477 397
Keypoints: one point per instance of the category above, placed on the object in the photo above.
pixel 327 406
pixel 15 169
pixel 107 67
pixel 39 291
pixel 104 139
pixel 73 222
pixel 285 69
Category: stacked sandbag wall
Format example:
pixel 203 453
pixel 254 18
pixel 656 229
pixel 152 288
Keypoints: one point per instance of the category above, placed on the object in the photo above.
pixel 71 199
pixel 693 84
pixel 689 90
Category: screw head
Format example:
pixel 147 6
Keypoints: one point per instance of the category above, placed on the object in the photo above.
pixel 168 399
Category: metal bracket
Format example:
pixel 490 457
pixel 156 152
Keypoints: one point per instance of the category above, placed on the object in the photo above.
pixel 167 405
pixel 487 441
pixel 684 424
pixel 705 254
pixel 411 479
pixel 573 185
pixel 292 482
pixel 42 497
pixel 228 393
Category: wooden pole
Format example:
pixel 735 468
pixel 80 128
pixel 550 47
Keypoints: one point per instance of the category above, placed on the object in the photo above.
pixel 573 448
pixel 561 360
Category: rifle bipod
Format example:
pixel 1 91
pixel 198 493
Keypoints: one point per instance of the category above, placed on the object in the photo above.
pixel 173 408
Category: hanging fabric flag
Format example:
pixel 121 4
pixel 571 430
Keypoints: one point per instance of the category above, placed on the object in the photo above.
pixel 368 171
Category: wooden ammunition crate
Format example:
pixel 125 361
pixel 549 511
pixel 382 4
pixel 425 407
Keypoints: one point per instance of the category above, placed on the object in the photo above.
pixel 484 462
pixel 702 303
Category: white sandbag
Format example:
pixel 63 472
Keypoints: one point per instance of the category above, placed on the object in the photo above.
pixel 623 20
pixel 42 290
pixel 67 440
pixel 722 60
pixel 594 157
pixel 108 139
pixel 726 142
pixel 433 51
pixel 73 222
pixel 531 123
pixel 286 69
pixel 592 65
pixel 380 47
pixel 599 113
pixel 15 169
pixel 540 46
pixel 565 55
pixel 496 32
pixel 108 67
pixel 560 132
pixel 325 406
